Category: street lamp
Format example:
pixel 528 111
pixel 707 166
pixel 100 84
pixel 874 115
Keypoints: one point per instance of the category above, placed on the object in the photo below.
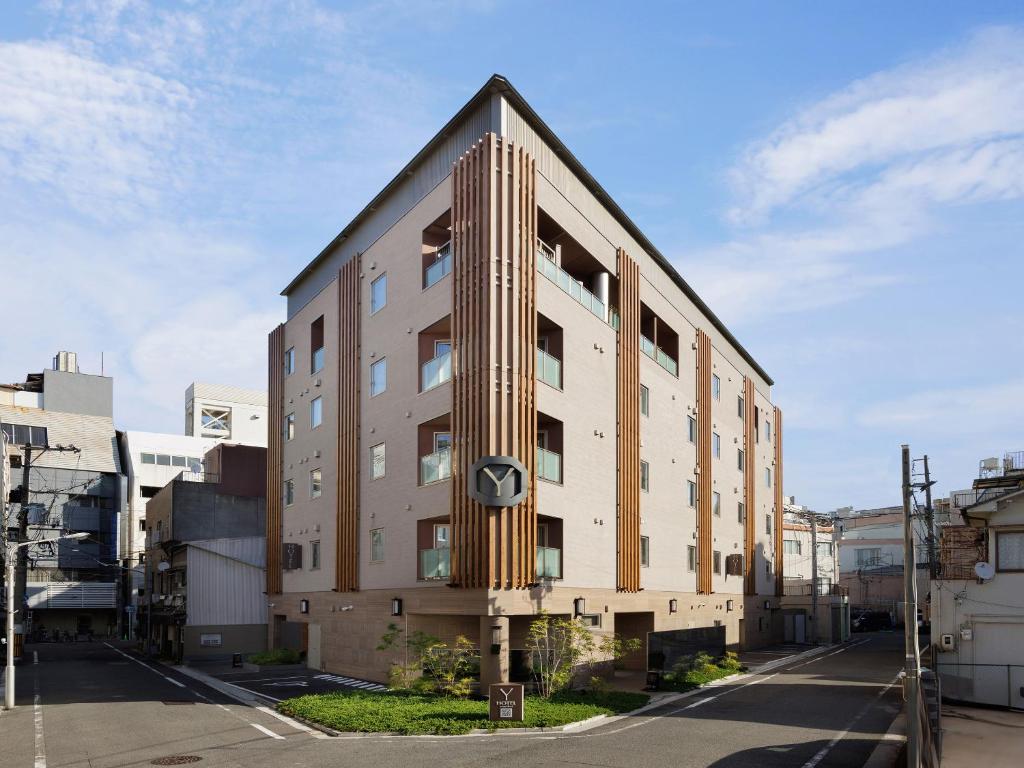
pixel 9 559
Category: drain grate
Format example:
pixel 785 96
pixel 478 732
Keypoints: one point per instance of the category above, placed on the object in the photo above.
pixel 176 760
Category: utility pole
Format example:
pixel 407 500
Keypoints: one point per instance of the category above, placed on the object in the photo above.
pixel 814 577
pixel 21 573
pixel 929 514
pixel 911 679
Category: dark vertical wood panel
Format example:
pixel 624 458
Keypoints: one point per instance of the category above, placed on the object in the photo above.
pixel 628 428
pixel 346 575
pixel 275 425
pixel 749 486
pixel 779 558
pixel 705 545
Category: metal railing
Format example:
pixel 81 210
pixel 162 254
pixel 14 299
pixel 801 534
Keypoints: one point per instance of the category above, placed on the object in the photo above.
pixel 436 371
pixel 970 498
pixel 439 267
pixel 546 265
pixel 435 564
pixel 549 465
pixel 188 476
pixel 658 355
pixel 549 563
pixel 436 466
pixel 549 369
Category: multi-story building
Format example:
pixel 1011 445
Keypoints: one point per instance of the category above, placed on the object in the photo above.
pixel 493 300
pixel 205 557
pixel 977 613
pixel 61 438
pixel 815 606
pixel 222 412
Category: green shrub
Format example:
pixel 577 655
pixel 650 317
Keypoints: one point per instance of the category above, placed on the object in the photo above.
pixel 276 656
pixel 694 671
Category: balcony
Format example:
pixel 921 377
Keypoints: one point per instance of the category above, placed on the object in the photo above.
pixel 549 369
pixel 436 466
pixel 439 266
pixel 547 266
pixel 436 371
pixel 549 465
pixel 660 356
pixel 435 564
pixel 549 563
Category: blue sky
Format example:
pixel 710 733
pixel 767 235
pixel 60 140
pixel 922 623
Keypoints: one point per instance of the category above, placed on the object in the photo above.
pixel 842 182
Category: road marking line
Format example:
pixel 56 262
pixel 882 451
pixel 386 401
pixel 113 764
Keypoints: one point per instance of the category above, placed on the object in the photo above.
pixel 40 761
pixel 171 679
pixel 699 702
pixel 293 723
pixel 267 731
pixel 35 657
pixel 827 655
pixel 820 755
pixel 270 679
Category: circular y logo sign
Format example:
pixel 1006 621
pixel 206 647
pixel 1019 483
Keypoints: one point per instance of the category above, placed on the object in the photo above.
pixel 498 481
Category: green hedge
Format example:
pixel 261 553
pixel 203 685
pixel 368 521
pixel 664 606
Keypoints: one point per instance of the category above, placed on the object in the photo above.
pixel 693 672
pixel 410 713
pixel 278 656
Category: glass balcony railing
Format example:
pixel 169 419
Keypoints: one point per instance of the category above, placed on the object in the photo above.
pixel 440 267
pixel 549 465
pixel 436 466
pixel 658 355
pixel 549 369
pixel 546 266
pixel 436 372
pixel 435 563
pixel 549 563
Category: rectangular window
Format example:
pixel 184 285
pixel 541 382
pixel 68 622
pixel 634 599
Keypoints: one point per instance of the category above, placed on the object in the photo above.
pixel 691 491
pixel 289 361
pixel 645 551
pixel 379 293
pixel 691 558
pixel 163 460
pixel 148 458
pixel 768 477
pixel 1009 551
pixel 757 421
pixel 868 557
pixel 378 377
pixel 314 555
pixel 740 410
pixel 716 445
pixel 316 345
pixel 740 464
pixel 716 562
pixel 289 426
pixel 691 432
pixel 289 492
pixel 179 461
pixel 316 484
pixel 316 412
pixel 716 386
pixel 377 545
pixel 645 401
pixel 377 462
pixel 645 476
pixel 741 513
pixel 768 524
pixel 767 430
pixel 824 549
pixel 790 547
pixel 591 620
pixel 716 503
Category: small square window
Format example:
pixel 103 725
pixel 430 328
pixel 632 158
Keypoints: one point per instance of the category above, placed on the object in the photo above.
pixel 716 503
pixel 691 431
pixel 645 401
pixel 691 493
pixel 315 483
pixel 645 476
pixel 289 492
pixel 378 377
pixel 716 387
pixel 289 361
pixel 377 462
pixel 691 558
pixel 316 412
pixel 645 551
pixel 377 545
pixel 379 293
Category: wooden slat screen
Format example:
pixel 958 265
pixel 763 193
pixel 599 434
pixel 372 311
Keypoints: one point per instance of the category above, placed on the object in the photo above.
pixel 705 543
pixel 628 389
pixel 275 422
pixel 494 337
pixel 749 486
pixel 346 570
pixel 779 515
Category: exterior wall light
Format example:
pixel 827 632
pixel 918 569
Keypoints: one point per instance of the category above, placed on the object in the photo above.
pixel 579 606
pixel 303 606
pixel 495 639
pixel 396 606
pixel 728 605
pixel 673 605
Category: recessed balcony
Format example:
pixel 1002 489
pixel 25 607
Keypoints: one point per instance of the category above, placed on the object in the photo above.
pixel 436 250
pixel 436 466
pixel 434 441
pixel 435 564
pixel 435 354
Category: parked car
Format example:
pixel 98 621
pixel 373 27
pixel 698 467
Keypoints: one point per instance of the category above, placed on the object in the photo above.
pixel 870 621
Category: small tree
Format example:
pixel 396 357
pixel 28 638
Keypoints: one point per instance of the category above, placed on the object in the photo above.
pixel 447 667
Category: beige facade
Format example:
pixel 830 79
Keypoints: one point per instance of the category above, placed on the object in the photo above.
pixel 554 285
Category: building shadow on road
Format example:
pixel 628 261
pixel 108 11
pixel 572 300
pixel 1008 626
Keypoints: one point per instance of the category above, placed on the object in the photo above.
pixel 848 752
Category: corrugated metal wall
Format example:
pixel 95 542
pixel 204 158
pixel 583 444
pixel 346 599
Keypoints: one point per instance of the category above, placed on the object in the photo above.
pixel 226 581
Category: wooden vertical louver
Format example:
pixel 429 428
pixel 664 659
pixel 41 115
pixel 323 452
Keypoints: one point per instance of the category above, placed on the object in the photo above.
pixel 779 514
pixel 705 543
pixel 628 389
pixel 346 570
pixel 275 421
pixel 749 485
pixel 494 340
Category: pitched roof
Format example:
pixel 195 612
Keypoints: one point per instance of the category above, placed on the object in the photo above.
pixel 500 84
pixel 94 436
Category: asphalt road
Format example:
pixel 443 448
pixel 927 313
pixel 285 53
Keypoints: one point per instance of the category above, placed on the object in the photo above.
pixel 100 708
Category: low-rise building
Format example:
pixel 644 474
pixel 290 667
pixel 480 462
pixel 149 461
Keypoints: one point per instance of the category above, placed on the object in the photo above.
pixel 225 413
pixel 815 606
pixel 977 608
pixel 205 557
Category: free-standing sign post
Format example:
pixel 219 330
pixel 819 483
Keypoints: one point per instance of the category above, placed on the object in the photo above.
pixel 506 701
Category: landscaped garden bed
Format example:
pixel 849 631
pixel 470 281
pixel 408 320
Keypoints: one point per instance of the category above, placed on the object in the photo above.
pixel 410 713
pixel 701 669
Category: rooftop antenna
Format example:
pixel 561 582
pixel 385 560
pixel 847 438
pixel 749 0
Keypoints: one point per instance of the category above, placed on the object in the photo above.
pixel 101 362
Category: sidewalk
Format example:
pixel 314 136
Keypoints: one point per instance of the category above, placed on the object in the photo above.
pixel 974 736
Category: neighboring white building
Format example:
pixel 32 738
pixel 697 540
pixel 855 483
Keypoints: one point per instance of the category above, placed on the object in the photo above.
pixel 810 617
pixel 230 414
pixel 978 610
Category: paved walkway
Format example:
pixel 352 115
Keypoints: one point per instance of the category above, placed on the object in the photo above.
pixel 974 736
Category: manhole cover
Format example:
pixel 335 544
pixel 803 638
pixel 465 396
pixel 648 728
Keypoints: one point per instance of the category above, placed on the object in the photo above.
pixel 176 760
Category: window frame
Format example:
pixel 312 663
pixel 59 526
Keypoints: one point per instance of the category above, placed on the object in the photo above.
pixel 316 412
pixel 645 551
pixel 316 483
pixel 716 562
pixel 377 533
pixel 691 430
pixel 691 494
pixel 289 361
pixel 384 460
pixel 289 492
pixel 289 426
pixel 377 365
pixel 645 476
pixel 691 558
pixel 716 503
pixel 645 401
pixel 998 535
pixel 716 387
pixel 383 276
pixel 314 555
pixel 716 445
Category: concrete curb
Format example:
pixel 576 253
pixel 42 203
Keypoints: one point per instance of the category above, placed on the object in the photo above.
pixel 887 753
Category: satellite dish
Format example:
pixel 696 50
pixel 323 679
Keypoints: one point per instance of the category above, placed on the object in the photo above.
pixel 984 570
pixel 163 566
